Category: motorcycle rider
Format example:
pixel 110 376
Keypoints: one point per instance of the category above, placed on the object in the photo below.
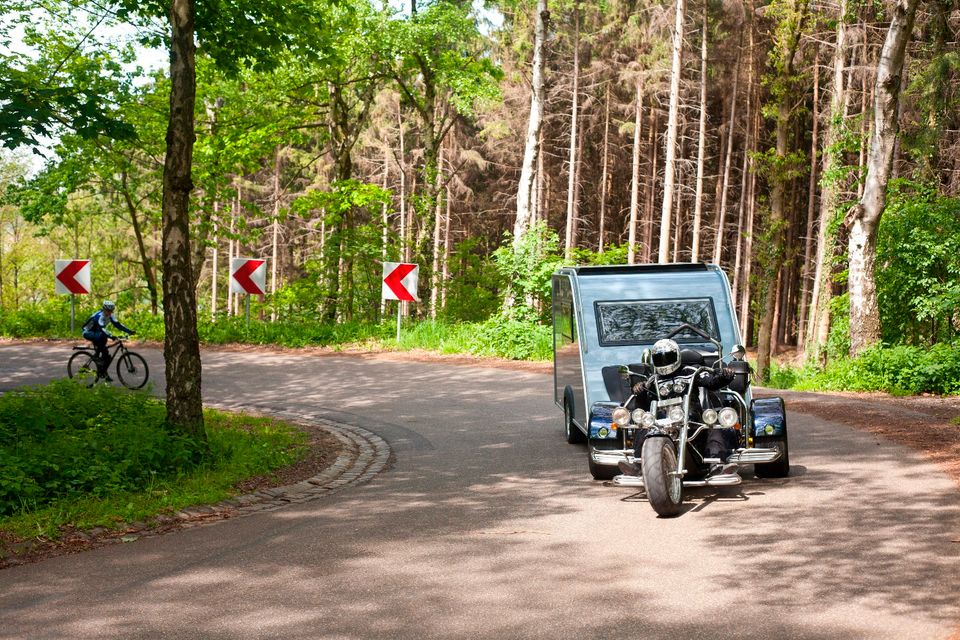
pixel 96 330
pixel 667 363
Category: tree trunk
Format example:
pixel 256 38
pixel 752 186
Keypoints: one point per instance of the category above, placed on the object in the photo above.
pixel 235 207
pixel 276 236
pixel 811 208
pixel 149 273
pixel 445 276
pixel 572 173
pixel 384 220
pixel 672 125
pixel 725 185
pixel 779 182
pixel 435 265
pixel 751 209
pixel 214 259
pixel 701 144
pixel 864 218
pixel 819 315
pixel 181 348
pixel 404 241
pixel 648 216
pixel 532 145
pixel 741 208
pixel 635 182
pixel 603 173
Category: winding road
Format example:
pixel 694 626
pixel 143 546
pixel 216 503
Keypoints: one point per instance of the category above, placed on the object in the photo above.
pixel 488 525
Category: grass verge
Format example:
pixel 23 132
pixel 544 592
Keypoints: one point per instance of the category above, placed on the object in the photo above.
pixel 498 336
pixel 76 458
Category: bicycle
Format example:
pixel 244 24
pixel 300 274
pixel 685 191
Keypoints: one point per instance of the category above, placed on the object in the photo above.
pixel 132 370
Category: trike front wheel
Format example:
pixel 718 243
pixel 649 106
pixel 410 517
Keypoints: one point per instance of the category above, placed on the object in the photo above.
pixel 664 487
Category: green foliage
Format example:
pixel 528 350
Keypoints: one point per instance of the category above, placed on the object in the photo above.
pixel 62 88
pixel 442 41
pixel 62 442
pixel 918 266
pixel 527 267
pixel 900 369
pixel 475 284
pixel 499 337
pixel 838 340
pixel 514 339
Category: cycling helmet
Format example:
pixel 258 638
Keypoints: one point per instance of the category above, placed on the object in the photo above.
pixel 109 305
pixel 666 357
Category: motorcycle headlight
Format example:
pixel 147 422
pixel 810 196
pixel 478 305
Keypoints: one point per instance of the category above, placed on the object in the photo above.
pixel 728 417
pixel 709 416
pixel 676 414
pixel 678 387
pixel 637 416
pixel 621 416
pixel 665 389
pixel 648 419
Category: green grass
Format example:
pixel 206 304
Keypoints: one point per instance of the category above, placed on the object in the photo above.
pixel 498 336
pixel 103 457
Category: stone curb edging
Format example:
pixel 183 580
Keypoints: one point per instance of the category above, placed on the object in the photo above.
pixel 365 455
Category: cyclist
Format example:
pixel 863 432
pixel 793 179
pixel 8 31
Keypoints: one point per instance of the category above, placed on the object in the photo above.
pixel 96 330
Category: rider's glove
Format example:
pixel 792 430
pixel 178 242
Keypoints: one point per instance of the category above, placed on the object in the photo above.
pixel 639 388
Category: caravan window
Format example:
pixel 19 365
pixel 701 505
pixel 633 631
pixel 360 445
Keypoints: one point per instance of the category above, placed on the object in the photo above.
pixel 627 322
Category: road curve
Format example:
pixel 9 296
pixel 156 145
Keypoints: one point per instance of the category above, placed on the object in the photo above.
pixel 488 526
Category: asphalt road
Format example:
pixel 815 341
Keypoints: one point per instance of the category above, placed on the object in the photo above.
pixel 489 526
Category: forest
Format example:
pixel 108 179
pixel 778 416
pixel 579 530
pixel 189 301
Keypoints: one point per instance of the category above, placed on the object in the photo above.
pixel 809 148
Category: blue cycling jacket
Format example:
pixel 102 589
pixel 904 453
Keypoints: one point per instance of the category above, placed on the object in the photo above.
pixel 98 323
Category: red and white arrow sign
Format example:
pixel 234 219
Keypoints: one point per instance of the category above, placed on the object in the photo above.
pixel 248 275
pixel 71 276
pixel 400 281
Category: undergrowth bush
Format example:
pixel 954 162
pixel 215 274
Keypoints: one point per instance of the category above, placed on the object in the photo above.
pixel 898 369
pixel 62 441
pixel 514 339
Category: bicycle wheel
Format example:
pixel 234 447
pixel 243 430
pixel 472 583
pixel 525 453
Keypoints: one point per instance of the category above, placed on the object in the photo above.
pixel 82 367
pixel 132 370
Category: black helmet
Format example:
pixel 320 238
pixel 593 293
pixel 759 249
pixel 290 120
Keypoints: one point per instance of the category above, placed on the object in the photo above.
pixel 666 357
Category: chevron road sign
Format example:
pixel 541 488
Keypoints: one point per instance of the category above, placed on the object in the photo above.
pixel 248 275
pixel 400 281
pixel 71 276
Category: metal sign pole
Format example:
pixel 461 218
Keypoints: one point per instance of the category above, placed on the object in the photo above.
pixel 73 300
pixel 399 307
pixel 248 311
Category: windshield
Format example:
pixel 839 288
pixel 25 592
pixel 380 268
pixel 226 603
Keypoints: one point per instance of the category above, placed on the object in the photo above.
pixel 627 322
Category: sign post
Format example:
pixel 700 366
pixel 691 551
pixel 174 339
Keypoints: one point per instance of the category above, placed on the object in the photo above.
pixel 71 277
pixel 249 276
pixel 400 283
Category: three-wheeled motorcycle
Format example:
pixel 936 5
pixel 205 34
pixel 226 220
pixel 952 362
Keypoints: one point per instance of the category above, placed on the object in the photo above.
pixel 605 321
